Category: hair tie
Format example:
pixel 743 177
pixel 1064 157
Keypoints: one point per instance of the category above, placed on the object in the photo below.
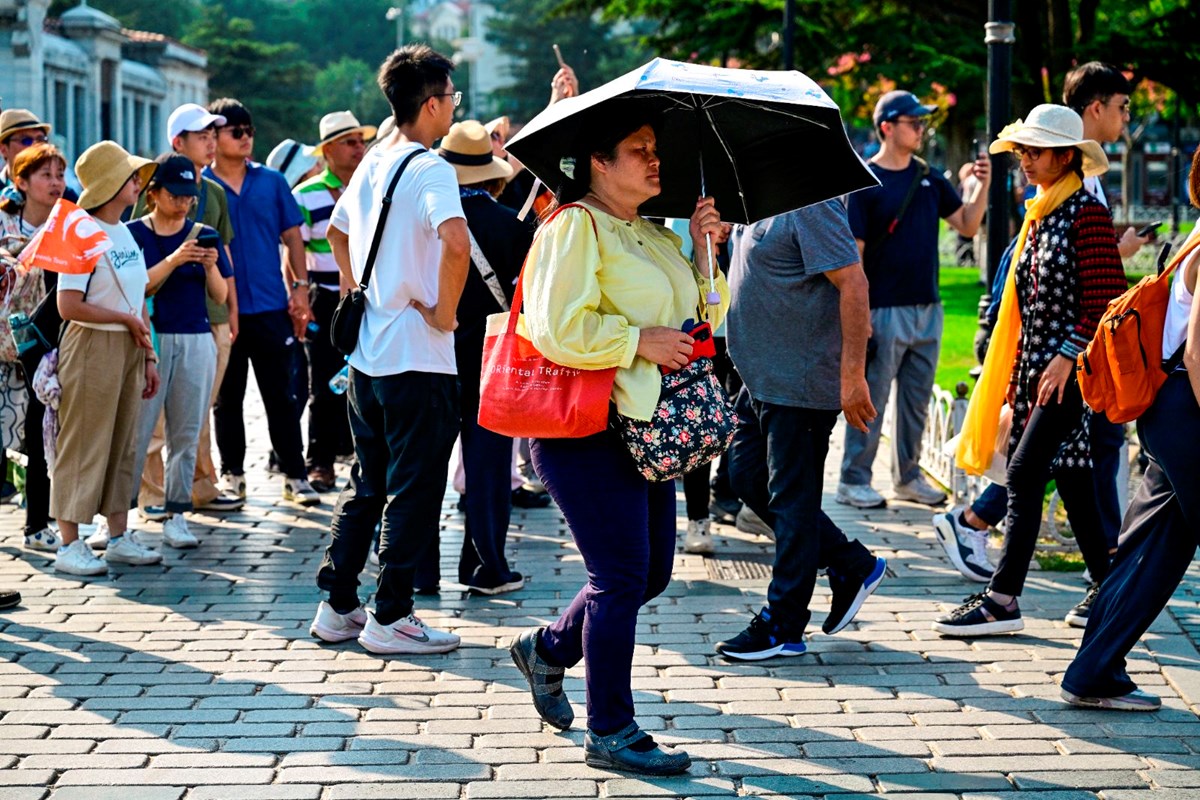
pixel 567 167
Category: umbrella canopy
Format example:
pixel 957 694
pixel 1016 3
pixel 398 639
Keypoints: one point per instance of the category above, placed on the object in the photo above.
pixel 761 142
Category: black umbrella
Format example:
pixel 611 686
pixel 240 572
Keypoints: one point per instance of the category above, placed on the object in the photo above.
pixel 760 142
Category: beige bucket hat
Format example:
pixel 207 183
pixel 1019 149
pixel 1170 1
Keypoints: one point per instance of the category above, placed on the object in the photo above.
pixel 1050 125
pixel 104 168
pixel 468 148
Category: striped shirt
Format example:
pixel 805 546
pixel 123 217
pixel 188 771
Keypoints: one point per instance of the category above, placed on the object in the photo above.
pixel 317 197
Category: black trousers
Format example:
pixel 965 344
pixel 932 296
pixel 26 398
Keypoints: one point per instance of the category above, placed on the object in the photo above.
pixel 696 486
pixel 1106 441
pixel 266 341
pixel 328 423
pixel 403 427
pixel 1029 471
pixel 1158 542
pixel 37 474
pixel 777 466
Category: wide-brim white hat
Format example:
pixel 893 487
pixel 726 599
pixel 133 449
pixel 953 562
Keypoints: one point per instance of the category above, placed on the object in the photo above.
pixel 1050 125
pixel 338 124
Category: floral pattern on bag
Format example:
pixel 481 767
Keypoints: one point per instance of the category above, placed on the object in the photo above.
pixel 692 424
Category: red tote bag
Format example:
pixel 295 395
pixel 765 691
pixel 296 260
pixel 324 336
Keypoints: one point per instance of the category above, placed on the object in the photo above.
pixel 524 394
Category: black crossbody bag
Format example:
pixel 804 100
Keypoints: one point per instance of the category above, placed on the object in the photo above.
pixel 348 316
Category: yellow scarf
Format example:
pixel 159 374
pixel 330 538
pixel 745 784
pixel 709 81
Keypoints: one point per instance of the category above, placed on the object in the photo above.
pixel 978 442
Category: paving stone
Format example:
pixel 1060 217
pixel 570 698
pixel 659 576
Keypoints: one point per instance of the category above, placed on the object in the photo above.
pixel 119 793
pixel 531 789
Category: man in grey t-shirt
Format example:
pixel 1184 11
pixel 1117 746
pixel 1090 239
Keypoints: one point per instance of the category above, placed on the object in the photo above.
pixel 797 332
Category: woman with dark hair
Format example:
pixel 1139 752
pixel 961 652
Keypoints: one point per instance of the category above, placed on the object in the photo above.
pixel 38 173
pixel 606 288
pixel 1065 270
pixel 1159 537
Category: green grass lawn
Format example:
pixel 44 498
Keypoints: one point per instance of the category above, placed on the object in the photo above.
pixel 961 291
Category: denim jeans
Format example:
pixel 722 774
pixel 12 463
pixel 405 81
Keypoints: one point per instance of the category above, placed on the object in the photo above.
pixel 777 465
pixel 1158 542
pixel 403 427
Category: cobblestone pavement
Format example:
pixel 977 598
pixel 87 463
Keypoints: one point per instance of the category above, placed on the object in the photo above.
pixel 198 679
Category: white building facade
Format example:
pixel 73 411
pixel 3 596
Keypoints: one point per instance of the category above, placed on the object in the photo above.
pixel 91 79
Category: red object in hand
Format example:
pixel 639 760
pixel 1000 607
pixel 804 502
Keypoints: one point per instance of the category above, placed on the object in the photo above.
pixel 703 345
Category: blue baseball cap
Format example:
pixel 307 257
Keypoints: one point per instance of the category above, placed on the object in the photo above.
pixel 899 103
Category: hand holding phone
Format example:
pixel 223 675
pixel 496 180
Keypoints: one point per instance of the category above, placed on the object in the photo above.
pixel 1150 229
pixel 209 238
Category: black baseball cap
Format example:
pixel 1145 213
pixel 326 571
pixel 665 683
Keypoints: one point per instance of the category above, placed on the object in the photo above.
pixel 176 174
pixel 899 103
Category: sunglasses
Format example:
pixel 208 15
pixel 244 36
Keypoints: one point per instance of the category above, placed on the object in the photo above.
pixel 457 96
pixel 238 131
pixel 915 124
pixel 1034 153
pixel 27 141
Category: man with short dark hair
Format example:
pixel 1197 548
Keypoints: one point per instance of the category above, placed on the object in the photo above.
pixel 403 392
pixel 271 315
pixel 896 227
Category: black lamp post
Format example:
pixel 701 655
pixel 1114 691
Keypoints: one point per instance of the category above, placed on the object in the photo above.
pixel 789 34
pixel 999 38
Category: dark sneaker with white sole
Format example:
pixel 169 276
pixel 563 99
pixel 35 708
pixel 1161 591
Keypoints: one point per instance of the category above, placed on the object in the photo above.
pixel 965 547
pixel 763 639
pixel 979 615
pixel 1137 700
pixel 849 594
pixel 1077 617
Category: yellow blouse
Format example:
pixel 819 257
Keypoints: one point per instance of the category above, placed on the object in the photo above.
pixel 589 292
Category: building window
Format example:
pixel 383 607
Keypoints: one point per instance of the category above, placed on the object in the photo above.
pixel 139 127
pixel 156 127
pixel 79 129
pixel 62 118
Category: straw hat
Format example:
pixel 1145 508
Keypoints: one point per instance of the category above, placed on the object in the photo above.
pixel 104 168
pixel 20 119
pixel 338 124
pixel 468 148
pixel 1051 125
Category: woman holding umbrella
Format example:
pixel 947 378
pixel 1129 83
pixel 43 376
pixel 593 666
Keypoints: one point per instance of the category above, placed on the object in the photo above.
pixel 604 287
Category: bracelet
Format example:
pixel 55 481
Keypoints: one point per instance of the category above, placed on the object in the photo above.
pixel 152 359
pixel 298 284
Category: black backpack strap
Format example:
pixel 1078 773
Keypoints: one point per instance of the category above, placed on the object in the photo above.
pixel 383 215
pixel 921 174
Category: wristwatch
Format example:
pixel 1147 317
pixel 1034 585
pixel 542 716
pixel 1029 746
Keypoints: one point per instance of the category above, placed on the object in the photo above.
pixel 298 284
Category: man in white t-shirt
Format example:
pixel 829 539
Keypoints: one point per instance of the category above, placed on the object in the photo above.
pixel 403 380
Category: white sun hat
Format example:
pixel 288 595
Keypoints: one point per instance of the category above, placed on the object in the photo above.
pixel 1050 125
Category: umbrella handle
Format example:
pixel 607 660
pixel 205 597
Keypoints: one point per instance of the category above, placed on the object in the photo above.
pixel 714 297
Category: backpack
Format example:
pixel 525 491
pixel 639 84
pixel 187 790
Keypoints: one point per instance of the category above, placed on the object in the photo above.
pixel 1121 370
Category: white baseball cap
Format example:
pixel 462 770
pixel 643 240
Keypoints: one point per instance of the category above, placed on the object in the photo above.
pixel 189 118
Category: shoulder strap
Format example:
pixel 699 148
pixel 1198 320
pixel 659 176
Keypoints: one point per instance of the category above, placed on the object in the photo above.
pixel 383 215
pixel 519 293
pixel 486 272
pixel 922 172
pixel 194 232
pixel 202 203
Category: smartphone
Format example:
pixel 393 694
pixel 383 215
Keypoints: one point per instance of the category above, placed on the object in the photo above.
pixel 975 154
pixel 558 55
pixel 1150 229
pixel 209 239
pixel 703 345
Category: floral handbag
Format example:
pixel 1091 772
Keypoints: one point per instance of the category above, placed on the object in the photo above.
pixel 693 423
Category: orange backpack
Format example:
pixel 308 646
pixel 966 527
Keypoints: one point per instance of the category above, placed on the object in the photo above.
pixel 1121 370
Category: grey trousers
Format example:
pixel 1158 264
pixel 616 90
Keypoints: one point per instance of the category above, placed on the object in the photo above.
pixel 187 365
pixel 909 339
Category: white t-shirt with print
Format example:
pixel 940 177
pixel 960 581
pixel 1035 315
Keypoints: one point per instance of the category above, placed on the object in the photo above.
pixel 394 336
pixel 119 280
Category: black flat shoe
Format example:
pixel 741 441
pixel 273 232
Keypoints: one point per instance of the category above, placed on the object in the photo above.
pixel 545 681
pixel 613 752
pixel 523 498
pixel 10 599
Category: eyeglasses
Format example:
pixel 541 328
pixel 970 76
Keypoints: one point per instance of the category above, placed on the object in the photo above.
pixel 177 199
pixel 27 141
pixel 1034 153
pixel 457 97
pixel 916 124
pixel 238 131
pixel 1124 106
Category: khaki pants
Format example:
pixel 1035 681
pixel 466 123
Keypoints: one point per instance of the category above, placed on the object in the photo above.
pixel 102 374
pixel 204 482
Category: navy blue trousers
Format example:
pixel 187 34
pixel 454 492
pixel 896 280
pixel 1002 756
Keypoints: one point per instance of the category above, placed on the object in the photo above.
pixel 624 527
pixel 1158 542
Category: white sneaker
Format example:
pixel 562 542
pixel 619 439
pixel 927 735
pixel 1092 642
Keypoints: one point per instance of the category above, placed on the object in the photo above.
pixel 299 490
pixel 918 490
pixel 46 540
pixel 699 537
pixel 859 496
pixel 177 534
pixel 965 547
pixel 130 549
pixel 407 635
pixel 234 485
pixel 330 626
pixel 99 539
pixel 749 522
pixel 77 558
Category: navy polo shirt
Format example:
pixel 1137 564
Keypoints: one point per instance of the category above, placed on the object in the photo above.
pixel 179 305
pixel 260 214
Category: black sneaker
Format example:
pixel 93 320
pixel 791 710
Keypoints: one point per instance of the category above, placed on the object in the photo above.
pixel 979 615
pixel 849 595
pixel 763 639
pixel 1077 617
pixel 9 599
pixel 523 498
pixel 724 509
